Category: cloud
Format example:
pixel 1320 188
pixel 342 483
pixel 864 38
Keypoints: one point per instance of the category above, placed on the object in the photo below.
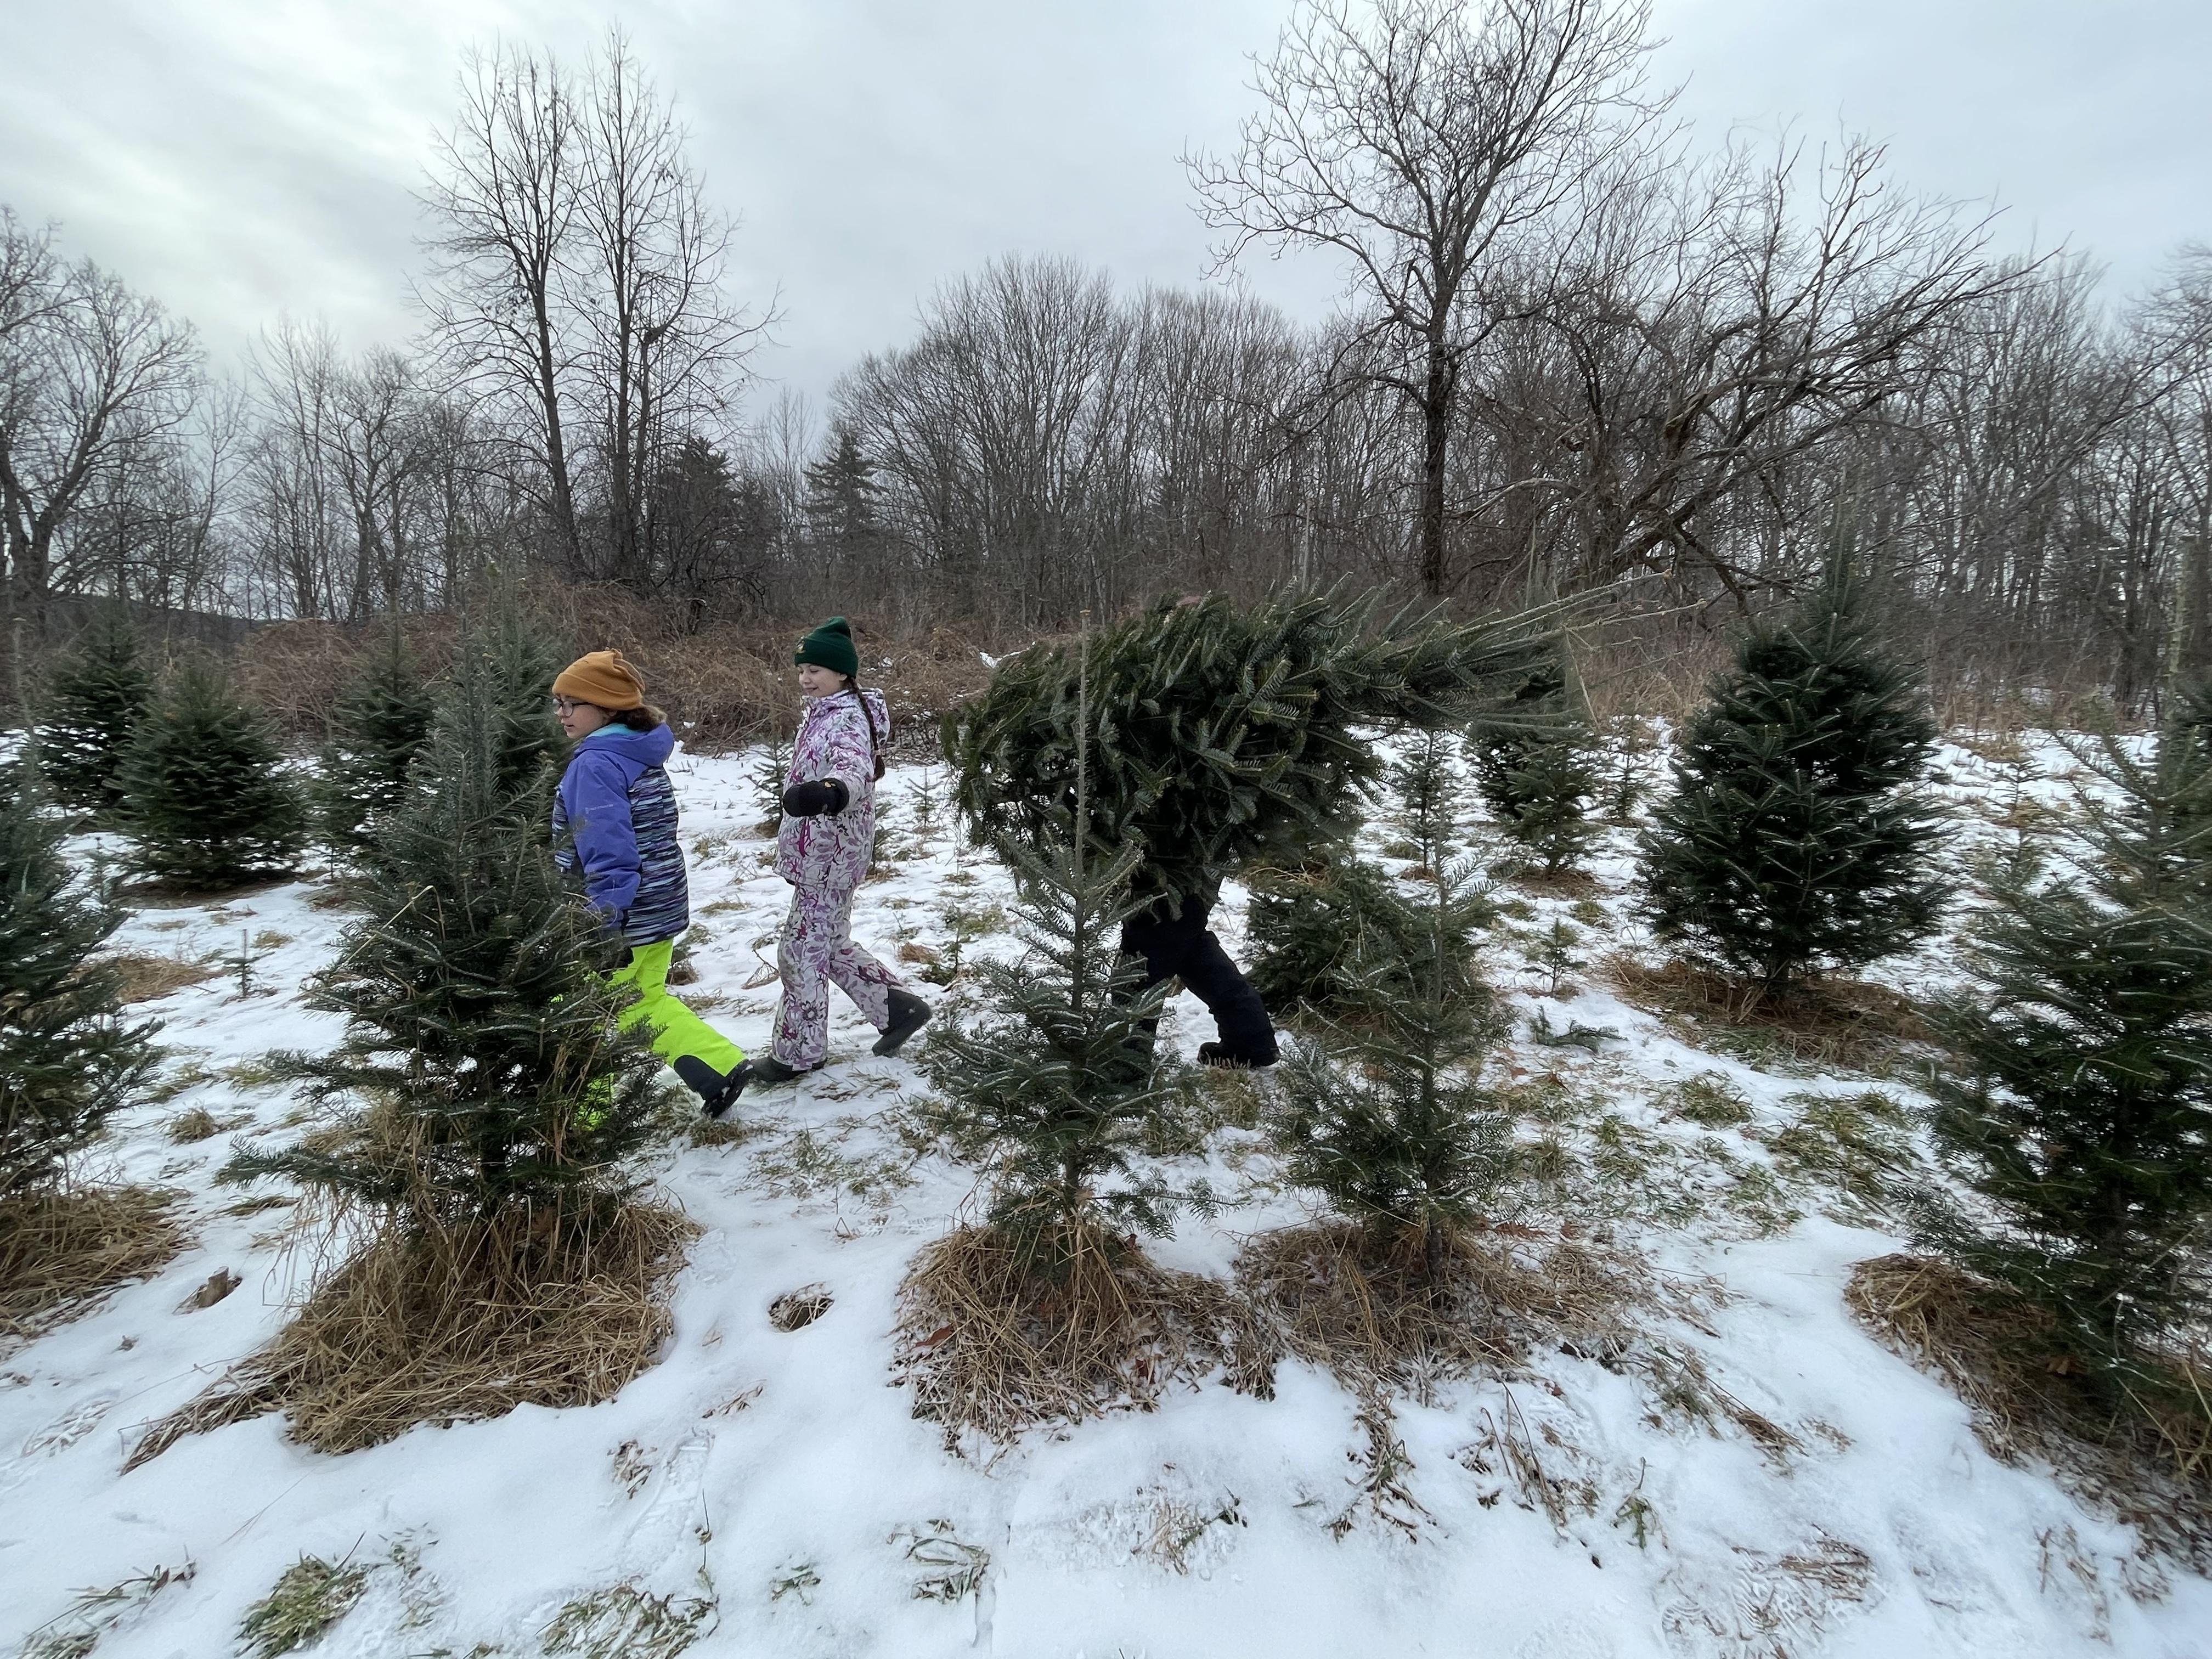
pixel 251 157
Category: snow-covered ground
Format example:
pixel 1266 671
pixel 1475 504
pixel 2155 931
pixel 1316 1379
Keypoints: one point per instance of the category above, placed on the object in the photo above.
pixel 773 1489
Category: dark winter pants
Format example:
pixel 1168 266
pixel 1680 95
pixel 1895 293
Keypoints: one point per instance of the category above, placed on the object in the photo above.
pixel 1185 948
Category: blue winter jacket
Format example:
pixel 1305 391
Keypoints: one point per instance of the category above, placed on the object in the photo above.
pixel 615 819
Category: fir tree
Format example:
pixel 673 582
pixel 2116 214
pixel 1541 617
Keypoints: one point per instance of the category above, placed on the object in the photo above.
pixel 503 673
pixel 1223 736
pixel 2085 1117
pixel 98 694
pixel 1794 842
pixel 771 774
pixel 1536 768
pixel 842 492
pixel 208 802
pixel 1325 937
pixel 480 1041
pixel 1400 1134
pixel 377 729
pixel 67 1057
pixel 1426 786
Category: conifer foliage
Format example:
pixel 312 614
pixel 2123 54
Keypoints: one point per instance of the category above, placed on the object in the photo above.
pixel 1223 735
pixel 1794 842
pixel 2085 1117
pixel 377 730
pixel 69 1059
pixel 1538 772
pixel 479 1040
pixel 1397 1130
pixel 208 802
pixel 503 680
pixel 96 698
pixel 1424 779
pixel 1332 939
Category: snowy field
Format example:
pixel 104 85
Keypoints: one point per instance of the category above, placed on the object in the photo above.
pixel 772 1488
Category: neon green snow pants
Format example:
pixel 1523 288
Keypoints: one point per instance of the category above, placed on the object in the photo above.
pixel 676 1031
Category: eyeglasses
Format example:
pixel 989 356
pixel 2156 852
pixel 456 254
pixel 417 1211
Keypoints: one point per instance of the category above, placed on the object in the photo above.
pixel 566 705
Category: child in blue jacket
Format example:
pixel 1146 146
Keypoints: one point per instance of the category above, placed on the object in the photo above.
pixel 614 821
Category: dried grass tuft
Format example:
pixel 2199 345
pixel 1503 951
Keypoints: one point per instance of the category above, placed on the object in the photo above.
pixel 1828 1022
pixel 993 1344
pixel 62 1248
pixel 2142 1452
pixel 145 979
pixel 1335 1296
pixel 423 1327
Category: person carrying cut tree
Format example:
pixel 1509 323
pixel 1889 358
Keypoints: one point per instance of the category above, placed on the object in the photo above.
pixel 1222 736
pixel 822 848
pixel 614 825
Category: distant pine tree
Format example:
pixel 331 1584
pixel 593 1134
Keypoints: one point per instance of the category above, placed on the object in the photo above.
pixel 1794 842
pixel 377 729
pixel 1400 1133
pixel 481 1044
pixel 1537 768
pixel 69 1059
pixel 842 492
pixel 2083 1118
pixel 96 698
pixel 207 799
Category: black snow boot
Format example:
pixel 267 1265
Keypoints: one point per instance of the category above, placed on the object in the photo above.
pixel 769 1069
pixel 717 1093
pixel 1216 1054
pixel 910 1013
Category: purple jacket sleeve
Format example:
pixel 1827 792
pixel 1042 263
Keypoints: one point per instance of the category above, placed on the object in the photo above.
pixel 595 793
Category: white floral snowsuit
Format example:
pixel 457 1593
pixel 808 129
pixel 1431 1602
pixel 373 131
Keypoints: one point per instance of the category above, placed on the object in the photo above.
pixel 823 860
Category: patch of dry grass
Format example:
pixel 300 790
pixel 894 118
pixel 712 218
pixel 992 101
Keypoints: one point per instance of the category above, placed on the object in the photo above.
pixel 1828 1023
pixel 1335 1296
pixel 60 1249
pixel 992 1343
pixel 144 978
pixel 2142 1452
pixel 422 1327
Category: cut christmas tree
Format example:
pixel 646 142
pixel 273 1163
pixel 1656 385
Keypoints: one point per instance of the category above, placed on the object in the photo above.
pixel 68 1060
pixel 97 693
pixel 503 1255
pixel 208 801
pixel 1794 843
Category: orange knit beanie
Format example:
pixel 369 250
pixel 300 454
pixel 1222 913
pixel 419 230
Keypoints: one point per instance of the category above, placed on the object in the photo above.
pixel 601 677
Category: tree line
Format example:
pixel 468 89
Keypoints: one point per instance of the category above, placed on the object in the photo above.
pixel 1575 349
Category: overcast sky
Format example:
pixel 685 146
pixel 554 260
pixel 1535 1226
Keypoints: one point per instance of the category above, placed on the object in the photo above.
pixel 239 158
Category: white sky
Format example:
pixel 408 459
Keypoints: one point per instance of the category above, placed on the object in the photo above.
pixel 238 158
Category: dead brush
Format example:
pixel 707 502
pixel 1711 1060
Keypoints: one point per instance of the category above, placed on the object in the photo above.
pixel 439 1324
pixel 2141 1451
pixel 1365 1307
pixel 62 1248
pixel 146 978
pixel 1831 1022
pixel 998 1334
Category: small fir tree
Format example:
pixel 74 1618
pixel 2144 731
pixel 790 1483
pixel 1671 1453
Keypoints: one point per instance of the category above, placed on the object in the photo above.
pixel 69 1059
pixel 1222 736
pixel 1536 767
pixel 1424 779
pixel 480 1041
pixel 1399 1132
pixel 1324 936
pixel 503 673
pixel 2085 1114
pixel 98 694
pixel 208 802
pixel 771 774
pixel 1794 842
pixel 377 730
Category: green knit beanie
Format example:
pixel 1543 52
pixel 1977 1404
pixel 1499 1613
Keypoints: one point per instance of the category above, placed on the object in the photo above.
pixel 830 646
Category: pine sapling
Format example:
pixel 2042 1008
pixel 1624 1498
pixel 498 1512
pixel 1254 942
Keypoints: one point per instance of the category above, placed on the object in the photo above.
pixel 1398 1132
pixel 1536 766
pixel 377 730
pixel 208 799
pixel 1424 779
pixel 96 696
pixel 1324 935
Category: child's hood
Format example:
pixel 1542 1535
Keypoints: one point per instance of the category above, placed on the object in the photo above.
pixel 641 749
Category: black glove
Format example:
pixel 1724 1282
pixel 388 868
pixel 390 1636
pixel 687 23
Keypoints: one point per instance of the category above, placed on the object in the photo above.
pixel 825 797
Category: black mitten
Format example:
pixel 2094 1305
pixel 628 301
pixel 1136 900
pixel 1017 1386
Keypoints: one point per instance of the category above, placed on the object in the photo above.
pixel 825 797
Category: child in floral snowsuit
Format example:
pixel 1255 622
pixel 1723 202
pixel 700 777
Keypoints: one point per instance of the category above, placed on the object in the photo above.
pixel 821 849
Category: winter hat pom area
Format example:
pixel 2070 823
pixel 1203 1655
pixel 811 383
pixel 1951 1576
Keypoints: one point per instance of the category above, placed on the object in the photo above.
pixel 604 680
pixel 830 646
